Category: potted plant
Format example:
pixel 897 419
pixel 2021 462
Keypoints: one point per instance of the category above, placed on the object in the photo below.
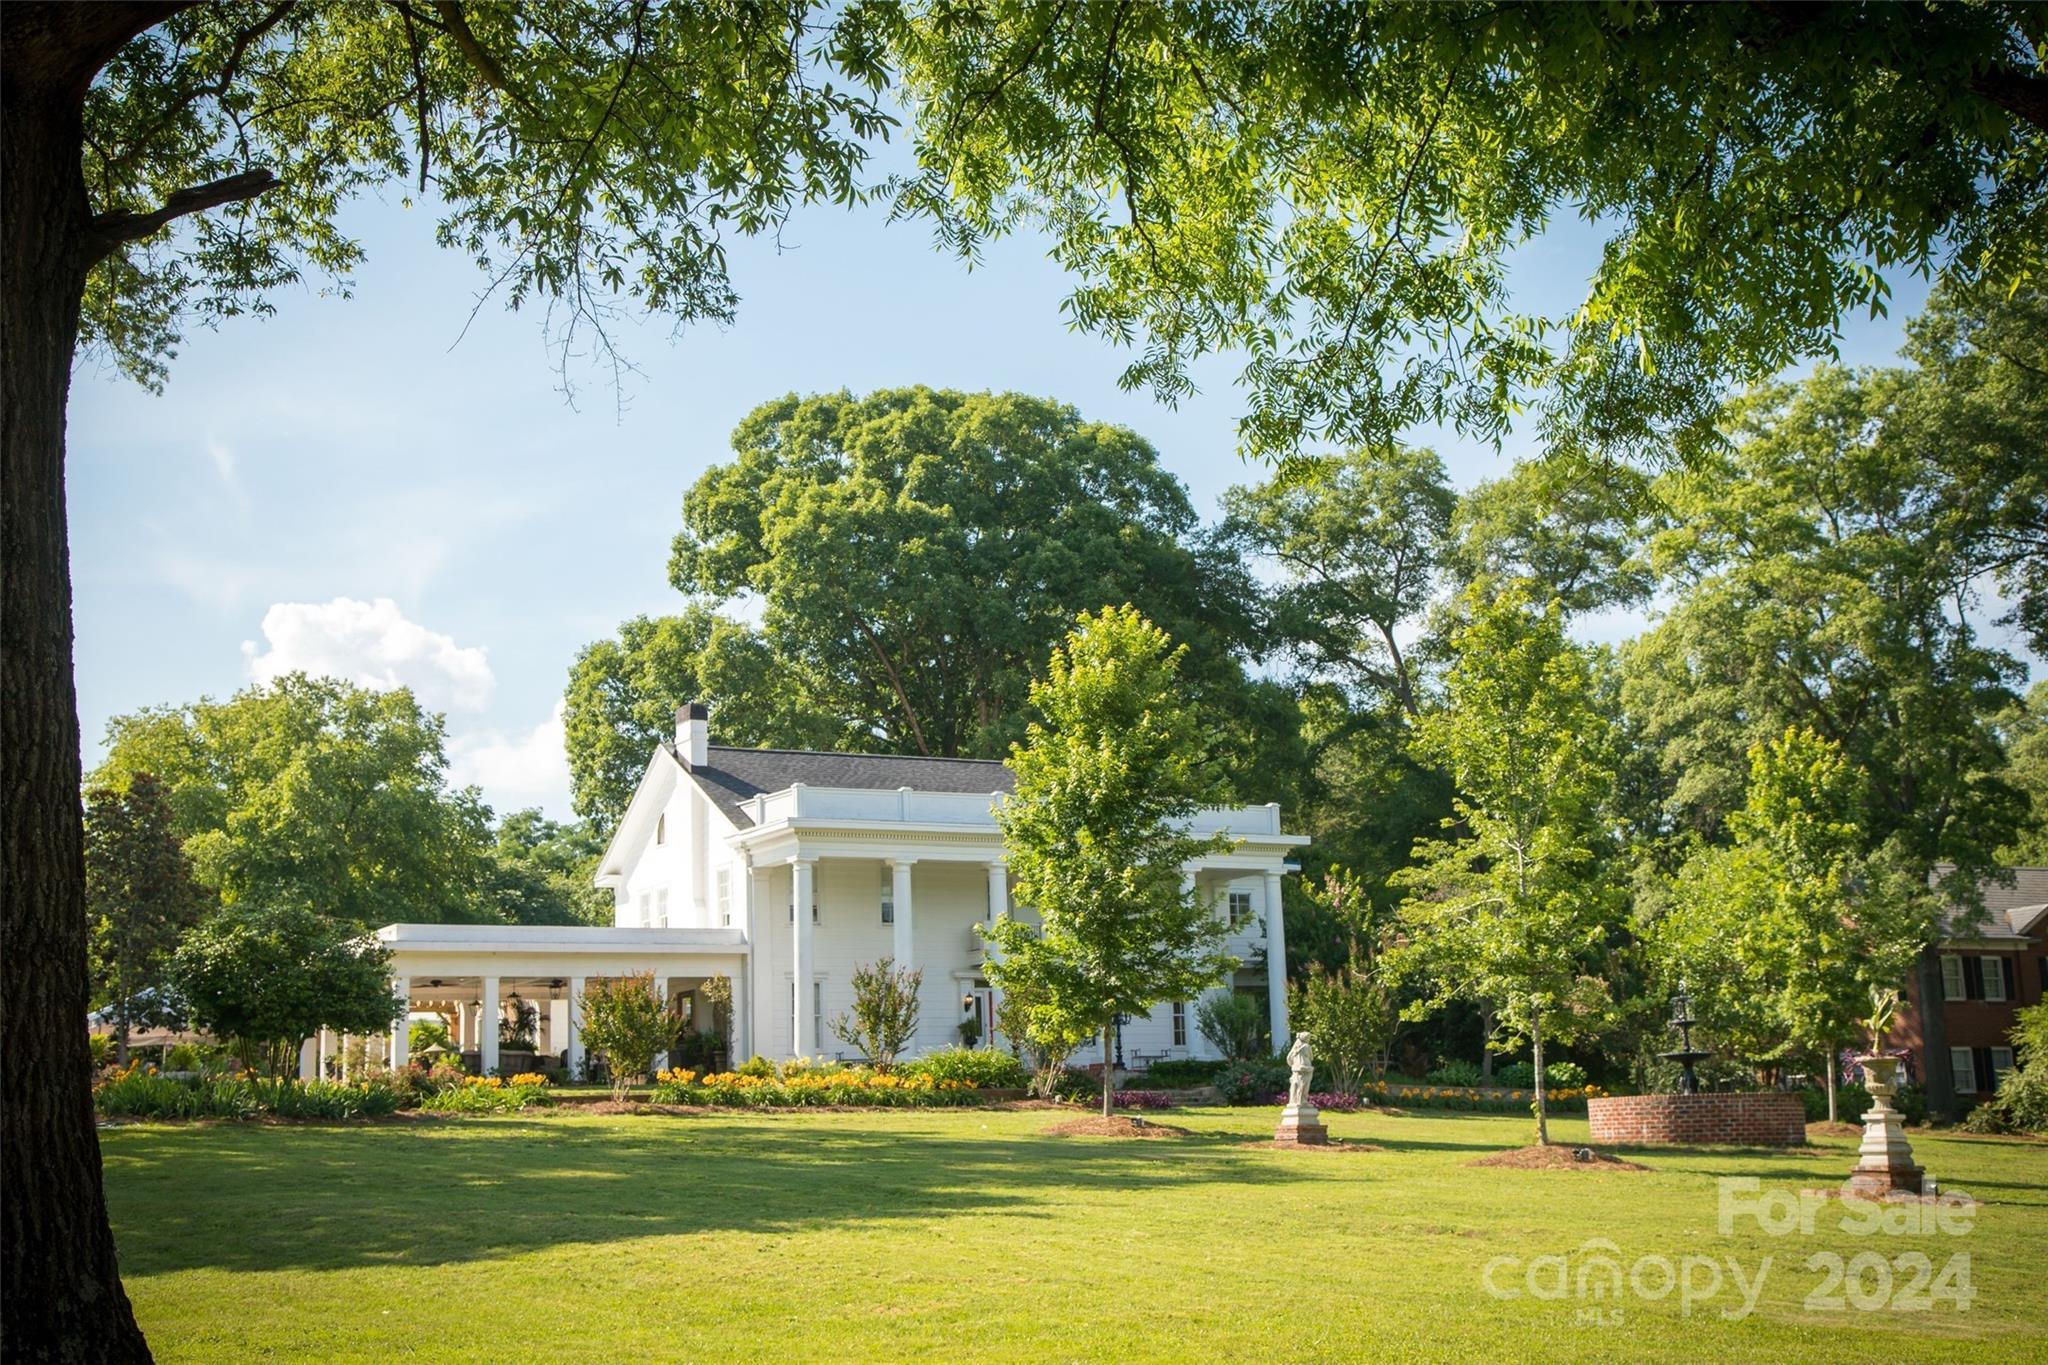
pixel 970 1032
pixel 1880 1068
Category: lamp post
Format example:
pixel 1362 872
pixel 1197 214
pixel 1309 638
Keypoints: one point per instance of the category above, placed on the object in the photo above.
pixel 1687 1054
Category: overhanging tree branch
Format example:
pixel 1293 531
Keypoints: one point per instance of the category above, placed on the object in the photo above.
pixel 110 230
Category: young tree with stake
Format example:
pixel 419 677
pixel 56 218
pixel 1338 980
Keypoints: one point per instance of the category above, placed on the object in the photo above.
pixel 1096 838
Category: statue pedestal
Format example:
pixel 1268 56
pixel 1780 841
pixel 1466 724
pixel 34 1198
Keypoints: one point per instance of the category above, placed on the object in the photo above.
pixel 1884 1160
pixel 1302 1125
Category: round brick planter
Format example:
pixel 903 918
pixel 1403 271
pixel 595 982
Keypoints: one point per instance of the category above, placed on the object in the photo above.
pixel 1761 1120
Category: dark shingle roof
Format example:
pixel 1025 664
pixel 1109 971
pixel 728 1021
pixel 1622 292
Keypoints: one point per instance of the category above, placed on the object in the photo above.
pixel 733 776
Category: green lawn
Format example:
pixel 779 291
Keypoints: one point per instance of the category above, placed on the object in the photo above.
pixel 962 1234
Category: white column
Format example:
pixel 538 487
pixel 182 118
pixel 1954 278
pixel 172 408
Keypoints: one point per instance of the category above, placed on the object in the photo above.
pixel 401 987
pixel 661 998
pixel 309 1059
pixel 326 1050
pixel 558 1025
pixel 1276 965
pixel 487 1029
pixel 905 939
pixel 806 1041
pixel 741 1043
pixel 572 1036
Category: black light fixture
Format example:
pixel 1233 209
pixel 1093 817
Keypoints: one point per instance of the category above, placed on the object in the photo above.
pixel 1687 1054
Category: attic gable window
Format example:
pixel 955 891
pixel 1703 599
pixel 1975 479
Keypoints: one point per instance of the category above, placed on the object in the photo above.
pixel 661 828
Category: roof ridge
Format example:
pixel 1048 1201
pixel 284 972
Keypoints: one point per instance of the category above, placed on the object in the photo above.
pixel 849 753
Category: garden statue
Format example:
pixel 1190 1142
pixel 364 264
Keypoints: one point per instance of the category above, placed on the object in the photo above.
pixel 1301 1124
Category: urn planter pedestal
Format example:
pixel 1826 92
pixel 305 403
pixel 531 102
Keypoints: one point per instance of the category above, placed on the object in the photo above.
pixel 1884 1161
pixel 1302 1125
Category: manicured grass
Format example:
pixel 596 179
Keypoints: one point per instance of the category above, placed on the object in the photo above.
pixel 968 1235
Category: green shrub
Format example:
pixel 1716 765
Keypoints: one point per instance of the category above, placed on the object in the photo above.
pixel 488 1095
pixel 985 1068
pixel 1235 1025
pixel 1455 1072
pixel 142 1093
pixel 809 1087
pixel 756 1065
pixel 1252 1082
pixel 1564 1075
pixel 1850 1102
pixel 2020 1106
pixel 1078 1085
pixel 1182 1075
pixel 1556 1076
pixel 101 1047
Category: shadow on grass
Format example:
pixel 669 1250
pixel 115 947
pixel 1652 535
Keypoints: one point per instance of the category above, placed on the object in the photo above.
pixel 253 1198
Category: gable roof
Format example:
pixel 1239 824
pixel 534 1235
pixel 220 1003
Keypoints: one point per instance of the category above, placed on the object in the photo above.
pixel 732 776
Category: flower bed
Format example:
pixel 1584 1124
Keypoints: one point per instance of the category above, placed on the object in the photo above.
pixel 800 1088
pixel 144 1093
pixel 1563 1100
pixel 491 1095
pixel 1143 1099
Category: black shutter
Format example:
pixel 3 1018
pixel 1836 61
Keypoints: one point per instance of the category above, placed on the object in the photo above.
pixel 2012 981
pixel 1987 1082
pixel 1973 978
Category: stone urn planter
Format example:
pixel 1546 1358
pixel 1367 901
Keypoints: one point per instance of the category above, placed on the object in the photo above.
pixel 1884 1161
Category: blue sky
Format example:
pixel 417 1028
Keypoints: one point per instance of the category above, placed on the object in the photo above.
pixel 359 486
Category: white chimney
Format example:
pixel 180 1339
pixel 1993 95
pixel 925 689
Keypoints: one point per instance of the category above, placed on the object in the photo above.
pixel 693 733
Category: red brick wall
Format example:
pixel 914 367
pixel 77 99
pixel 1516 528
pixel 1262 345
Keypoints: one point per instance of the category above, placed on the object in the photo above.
pixel 1760 1120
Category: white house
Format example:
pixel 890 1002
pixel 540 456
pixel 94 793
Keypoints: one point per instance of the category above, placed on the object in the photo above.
pixel 783 870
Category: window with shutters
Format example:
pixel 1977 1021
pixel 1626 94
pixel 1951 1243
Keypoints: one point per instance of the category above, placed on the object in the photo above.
pixel 1964 1063
pixel 1993 969
pixel 2001 1062
pixel 1952 978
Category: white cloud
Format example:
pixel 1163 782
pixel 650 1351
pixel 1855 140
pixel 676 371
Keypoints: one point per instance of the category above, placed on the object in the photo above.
pixel 530 769
pixel 371 644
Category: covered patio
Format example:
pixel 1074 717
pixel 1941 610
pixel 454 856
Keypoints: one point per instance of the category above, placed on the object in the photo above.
pixel 475 976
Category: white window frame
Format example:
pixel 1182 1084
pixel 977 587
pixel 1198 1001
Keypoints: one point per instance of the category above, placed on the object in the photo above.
pixel 818 1010
pixel 1963 1062
pixel 1992 971
pixel 888 894
pixel 1242 911
pixel 661 908
pixel 646 901
pixel 1180 1023
pixel 2001 1062
pixel 1954 986
pixel 725 895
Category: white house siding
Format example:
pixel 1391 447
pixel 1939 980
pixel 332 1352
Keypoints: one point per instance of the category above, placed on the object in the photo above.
pixel 681 854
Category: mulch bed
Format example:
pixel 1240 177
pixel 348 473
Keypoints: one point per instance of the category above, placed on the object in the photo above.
pixel 1556 1157
pixel 1826 1129
pixel 1120 1126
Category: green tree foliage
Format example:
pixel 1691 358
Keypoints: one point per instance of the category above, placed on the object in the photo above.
pixel 315 793
pixel 919 552
pixel 622 1019
pixel 1786 933
pixel 1337 191
pixel 2024 728
pixel 1569 527
pixel 540 872
pixel 1095 835
pixel 885 1010
pixel 269 978
pixel 141 897
pixel 1514 905
pixel 1349 1008
pixel 623 694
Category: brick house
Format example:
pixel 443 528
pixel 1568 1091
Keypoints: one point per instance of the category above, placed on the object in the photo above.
pixel 1990 970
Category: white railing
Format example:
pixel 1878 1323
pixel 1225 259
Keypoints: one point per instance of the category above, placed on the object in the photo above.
pixel 906 805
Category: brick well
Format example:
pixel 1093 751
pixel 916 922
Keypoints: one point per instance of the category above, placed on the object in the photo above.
pixel 1759 1120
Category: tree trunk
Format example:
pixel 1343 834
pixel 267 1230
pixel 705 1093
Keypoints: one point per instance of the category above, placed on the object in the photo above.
pixel 1485 1045
pixel 1939 1083
pixel 1829 1062
pixel 1108 1071
pixel 1542 1108
pixel 121 1042
pixel 62 1291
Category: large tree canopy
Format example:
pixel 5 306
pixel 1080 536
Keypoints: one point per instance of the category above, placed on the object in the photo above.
pixel 314 793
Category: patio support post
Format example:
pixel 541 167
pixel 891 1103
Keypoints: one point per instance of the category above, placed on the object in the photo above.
pixel 572 1042
pixel 661 999
pixel 904 939
pixel 487 1029
pixel 741 1026
pixel 804 1037
pixel 326 1051
pixel 309 1059
pixel 1276 964
pixel 401 988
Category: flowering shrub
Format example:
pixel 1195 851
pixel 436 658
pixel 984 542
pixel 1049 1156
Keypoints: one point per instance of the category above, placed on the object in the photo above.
pixel 987 1068
pixel 491 1095
pixel 1252 1082
pixel 807 1086
pixel 1143 1099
